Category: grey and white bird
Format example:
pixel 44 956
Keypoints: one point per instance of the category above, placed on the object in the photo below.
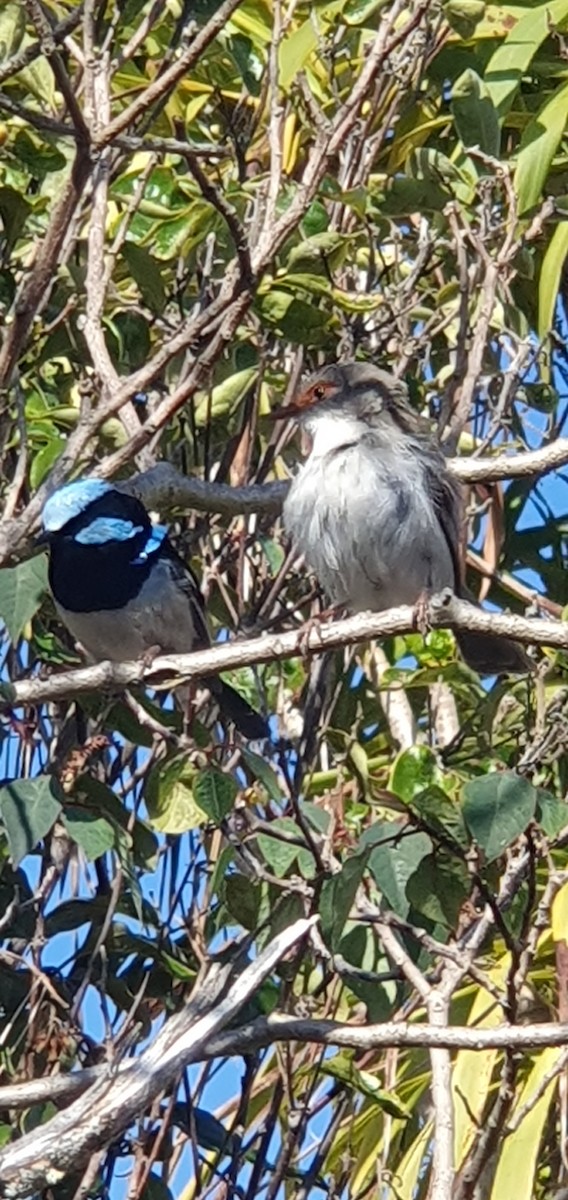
pixel 122 590
pixel 374 509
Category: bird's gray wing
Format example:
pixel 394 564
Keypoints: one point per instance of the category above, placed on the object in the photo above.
pixel 446 493
pixel 188 584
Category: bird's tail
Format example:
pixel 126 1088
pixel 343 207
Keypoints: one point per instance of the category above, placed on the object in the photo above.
pixel 491 654
pixel 247 720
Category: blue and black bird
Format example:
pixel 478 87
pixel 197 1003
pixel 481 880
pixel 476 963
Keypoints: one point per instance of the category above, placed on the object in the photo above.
pixel 121 589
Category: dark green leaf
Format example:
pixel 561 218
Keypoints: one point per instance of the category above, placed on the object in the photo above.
pixel 338 894
pixel 551 814
pixel 475 115
pixel 243 900
pixel 392 863
pixel 21 591
pixel 265 774
pixel 146 271
pixel 279 854
pixel 442 814
pixel 215 793
pixel 95 835
pixel 497 808
pixel 438 888
pixel 29 808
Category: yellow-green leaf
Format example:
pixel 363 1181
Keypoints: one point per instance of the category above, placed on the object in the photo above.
pixel 550 275
pixel 539 144
pixel 510 60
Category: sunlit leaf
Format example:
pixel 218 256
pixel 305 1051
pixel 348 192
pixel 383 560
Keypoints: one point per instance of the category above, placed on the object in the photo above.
pixel 550 276
pixel 511 59
pixel 539 144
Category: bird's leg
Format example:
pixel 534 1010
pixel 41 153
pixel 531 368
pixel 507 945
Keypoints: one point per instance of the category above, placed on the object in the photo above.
pixel 422 612
pixel 314 624
pixel 150 653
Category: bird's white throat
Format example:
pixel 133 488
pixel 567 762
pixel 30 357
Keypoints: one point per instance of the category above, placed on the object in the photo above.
pixel 328 431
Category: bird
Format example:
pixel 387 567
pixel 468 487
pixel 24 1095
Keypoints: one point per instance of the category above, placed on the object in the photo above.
pixel 121 589
pixel 374 509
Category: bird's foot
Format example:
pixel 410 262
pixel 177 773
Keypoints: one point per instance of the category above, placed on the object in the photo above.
pixel 150 653
pixel 313 626
pixel 422 612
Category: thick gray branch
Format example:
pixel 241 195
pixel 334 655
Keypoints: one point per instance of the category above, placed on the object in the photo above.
pixel 279 1027
pixel 44 1157
pixel 169 670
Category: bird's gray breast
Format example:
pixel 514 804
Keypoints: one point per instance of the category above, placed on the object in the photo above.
pixel 160 615
pixel 367 527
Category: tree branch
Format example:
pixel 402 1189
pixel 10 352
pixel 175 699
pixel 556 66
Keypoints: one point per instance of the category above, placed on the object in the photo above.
pixel 279 1027
pixel 67 1141
pixel 167 671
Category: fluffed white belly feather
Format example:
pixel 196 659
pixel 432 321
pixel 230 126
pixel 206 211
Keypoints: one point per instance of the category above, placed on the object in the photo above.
pixel 368 533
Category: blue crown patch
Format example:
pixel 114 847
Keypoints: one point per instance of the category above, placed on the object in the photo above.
pixel 107 529
pixel 70 501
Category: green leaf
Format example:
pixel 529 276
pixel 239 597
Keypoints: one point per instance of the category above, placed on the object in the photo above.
pixel 442 814
pixel 226 397
pixel 415 770
pixel 95 835
pixel 178 969
pixel 338 894
pixel 29 808
pixel 146 271
pixel 358 11
pixel 497 808
pixel 512 58
pixel 551 814
pixel 215 793
pixel 277 853
pixel 550 276
pixel 404 195
pixel 156 1188
pixel 342 1067
pixel 38 79
pixel 44 460
pixel 296 49
pixel 264 773
pixel 464 15
pixel 170 800
pixel 539 144
pixel 12 29
pixel 475 115
pixel 243 898
pixel 392 861
pixel 14 211
pixel 294 319
pixel 316 816
pixel 438 888
pixel 21 591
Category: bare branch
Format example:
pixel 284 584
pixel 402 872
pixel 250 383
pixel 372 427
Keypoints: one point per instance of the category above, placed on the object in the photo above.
pixel 280 1027
pixel 167 671
pixel 67 1141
